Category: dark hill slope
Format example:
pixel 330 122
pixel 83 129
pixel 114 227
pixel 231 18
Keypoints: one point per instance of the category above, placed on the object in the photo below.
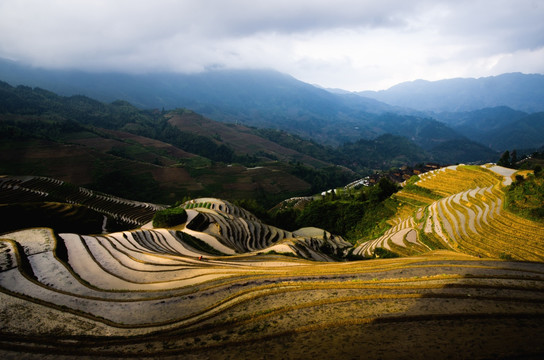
pixel 501 128
pixel 261 98
pixel 525 133
pixel 240 138
pixel 128 152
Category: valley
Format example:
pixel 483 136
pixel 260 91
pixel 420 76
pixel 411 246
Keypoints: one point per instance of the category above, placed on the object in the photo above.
pixel 223 283
pixel 315 225
pixel 266 180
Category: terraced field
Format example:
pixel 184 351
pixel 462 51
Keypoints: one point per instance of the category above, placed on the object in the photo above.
pixel 224 285
pixel 20 189
pixel 460 208
pixel 146 294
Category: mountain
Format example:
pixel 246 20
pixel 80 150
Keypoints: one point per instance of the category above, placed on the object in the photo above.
pixel 372 154
pixel 526 133
pixel 132 153
pixel 478 122
pixel 167 138
pixel 523 92
pixel 219 283
pixel 501 128
pixel 243 140
pixel 262 98
pixel 463 151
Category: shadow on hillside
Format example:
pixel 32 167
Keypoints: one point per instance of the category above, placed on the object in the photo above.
pixel 484 314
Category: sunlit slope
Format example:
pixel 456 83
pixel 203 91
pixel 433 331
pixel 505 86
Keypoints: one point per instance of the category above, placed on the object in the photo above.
pixel 460 208
pixel 217 286
pixel 241 232
pixel 146 294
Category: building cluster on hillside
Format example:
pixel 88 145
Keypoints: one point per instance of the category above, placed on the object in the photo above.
pixel 406 172
pixel 398 175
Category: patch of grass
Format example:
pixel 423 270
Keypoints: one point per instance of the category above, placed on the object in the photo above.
pixel 425 192
pixel 169 217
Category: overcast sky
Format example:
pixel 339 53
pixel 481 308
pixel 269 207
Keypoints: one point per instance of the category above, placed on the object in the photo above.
pixel 348 44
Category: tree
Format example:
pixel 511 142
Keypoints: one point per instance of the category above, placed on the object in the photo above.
pixel 505 159
pixel 169 217
pixel 514 157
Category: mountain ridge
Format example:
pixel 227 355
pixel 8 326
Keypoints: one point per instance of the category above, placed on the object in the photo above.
pixel 524 92
pixel 261 98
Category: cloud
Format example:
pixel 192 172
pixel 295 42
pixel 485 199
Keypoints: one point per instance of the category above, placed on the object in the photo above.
pixel 346 43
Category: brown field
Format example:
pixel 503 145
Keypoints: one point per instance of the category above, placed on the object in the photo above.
pixel 238 137
pixel 442 305
pixel 80 164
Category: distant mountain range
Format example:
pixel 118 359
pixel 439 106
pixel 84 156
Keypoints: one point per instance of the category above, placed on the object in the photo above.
pixel 524 92
pixel 268 99
pixel 500 128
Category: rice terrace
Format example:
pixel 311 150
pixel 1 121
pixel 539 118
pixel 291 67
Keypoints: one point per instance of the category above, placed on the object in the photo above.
pixel 467 281
pixel 266 180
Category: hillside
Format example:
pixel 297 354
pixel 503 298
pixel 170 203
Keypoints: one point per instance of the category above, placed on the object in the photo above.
pixel 268 99
pixel 500 128
pixel 119 149
pixel 260 98
pixel 460 208
pixel 164 156
pixel 522 134
pixel 244 141
pixel 223 284
pixel 31 201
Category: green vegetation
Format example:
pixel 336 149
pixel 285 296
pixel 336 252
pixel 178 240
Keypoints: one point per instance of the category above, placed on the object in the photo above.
pixel 421 191
pixel 525 197
pixel 295 142
pixel 361 156
pixel 505 160
pixel 382 153
pixel 127 184
pixel 353 214
pixel 169 217
pixel 44 114
pixel 95 137
pixel 325 178
pixel 206 205
pixel 462 151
